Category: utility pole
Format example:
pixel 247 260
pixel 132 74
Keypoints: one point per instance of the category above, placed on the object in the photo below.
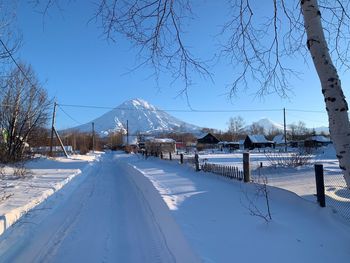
pixel 60 142
pixel 285 129
pixel 53 126
pixel 93 136
pixel 127 132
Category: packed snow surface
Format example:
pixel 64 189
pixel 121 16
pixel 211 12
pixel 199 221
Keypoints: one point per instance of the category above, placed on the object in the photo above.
pixel 129 209
pixel 111 214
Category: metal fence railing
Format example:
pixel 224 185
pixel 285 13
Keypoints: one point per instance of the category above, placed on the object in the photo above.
pixel 337 193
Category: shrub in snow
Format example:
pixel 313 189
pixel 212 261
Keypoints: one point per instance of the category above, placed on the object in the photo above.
pixel 295 159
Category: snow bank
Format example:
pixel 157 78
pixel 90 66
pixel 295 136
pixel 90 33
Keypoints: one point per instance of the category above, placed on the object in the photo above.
pixel 172 234
pixel 47 177
pixel 214 216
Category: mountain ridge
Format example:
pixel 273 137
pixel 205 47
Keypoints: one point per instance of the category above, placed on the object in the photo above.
pixel 142 117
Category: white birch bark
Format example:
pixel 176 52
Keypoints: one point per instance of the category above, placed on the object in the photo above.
pixel 336 104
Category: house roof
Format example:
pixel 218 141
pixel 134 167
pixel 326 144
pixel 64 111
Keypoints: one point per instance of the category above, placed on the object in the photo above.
pixel 279 139
pixel 208 138
pixel 228 143
pixel 133 140
pixel 202 135
pixel 318 138
pixel 163 140
pixel 258 138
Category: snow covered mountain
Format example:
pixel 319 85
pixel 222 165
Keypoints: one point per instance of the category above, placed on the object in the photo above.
pixel 141 116
pixel 267 124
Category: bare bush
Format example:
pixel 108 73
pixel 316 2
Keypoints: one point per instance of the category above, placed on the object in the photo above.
pixel 252 201
pixel 295 159
pixel 5 196
pixel 15 171
pixel 20 171
pixel 2 170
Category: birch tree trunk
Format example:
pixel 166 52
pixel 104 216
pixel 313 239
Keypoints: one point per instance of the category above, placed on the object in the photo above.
pixel 336 104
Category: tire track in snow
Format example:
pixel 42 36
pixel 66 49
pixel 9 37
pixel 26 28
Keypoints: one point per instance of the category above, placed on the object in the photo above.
pixel 66 229
pixel 157 245
pixel 108 218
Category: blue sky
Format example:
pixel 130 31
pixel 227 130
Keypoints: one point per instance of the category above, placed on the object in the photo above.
pixel 78 66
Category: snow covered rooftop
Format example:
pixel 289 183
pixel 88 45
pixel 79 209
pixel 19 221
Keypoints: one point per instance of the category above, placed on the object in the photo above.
pixel 163 140
pixel 318 138
pixel 279 139
pixel 225 143
pixel 258 138
pixel 133 140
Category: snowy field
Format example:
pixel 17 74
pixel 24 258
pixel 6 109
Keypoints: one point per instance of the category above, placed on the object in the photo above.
pixel 300 180
pixel 214 216
pixel 25 188
pixel 123 208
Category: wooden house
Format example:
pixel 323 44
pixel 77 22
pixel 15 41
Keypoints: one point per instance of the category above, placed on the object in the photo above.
pixel 158 145
pixel 257 141
pixel 279 140
pixel 316 141
pixel 207 141
pixel 230 146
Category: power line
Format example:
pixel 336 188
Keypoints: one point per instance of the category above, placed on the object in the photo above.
pixel 168 110
pixel 69 116
pixel 73 119
pixel 307 119
pixel 308 111
pixel 14 61
pixel 189 110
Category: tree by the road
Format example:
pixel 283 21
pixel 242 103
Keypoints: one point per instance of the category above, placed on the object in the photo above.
pixel 24 111
pixel 235 126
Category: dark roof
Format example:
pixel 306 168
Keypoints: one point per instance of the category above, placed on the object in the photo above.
pixel 318 138
pixel 258 138
pixel 209 138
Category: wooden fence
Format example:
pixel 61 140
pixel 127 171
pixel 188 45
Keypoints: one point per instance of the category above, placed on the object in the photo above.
pixel 231 172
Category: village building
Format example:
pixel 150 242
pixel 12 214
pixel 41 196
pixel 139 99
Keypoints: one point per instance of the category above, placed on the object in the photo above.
pixel 257 141
pixel 296 144
pixel 160 145
pixel 130 143
pixel 207 141
pixel 317 141
pixel 57 150
pixel 279 141
pixel 230 146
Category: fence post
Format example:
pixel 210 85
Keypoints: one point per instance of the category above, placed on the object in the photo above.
pixel 170 158
pixel 161 155
pixel 196 161
pixel 246 168
pixel 320 185
pixel 181 158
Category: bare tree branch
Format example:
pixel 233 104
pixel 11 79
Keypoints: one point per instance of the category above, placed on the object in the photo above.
pixel 155 27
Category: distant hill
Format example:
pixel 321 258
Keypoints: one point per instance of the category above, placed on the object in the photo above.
pixel 322 129
pixel 142 117
pixel 267 124
pixel 270 125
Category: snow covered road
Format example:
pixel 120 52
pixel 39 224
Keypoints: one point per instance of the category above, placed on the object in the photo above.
pixel 110 215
